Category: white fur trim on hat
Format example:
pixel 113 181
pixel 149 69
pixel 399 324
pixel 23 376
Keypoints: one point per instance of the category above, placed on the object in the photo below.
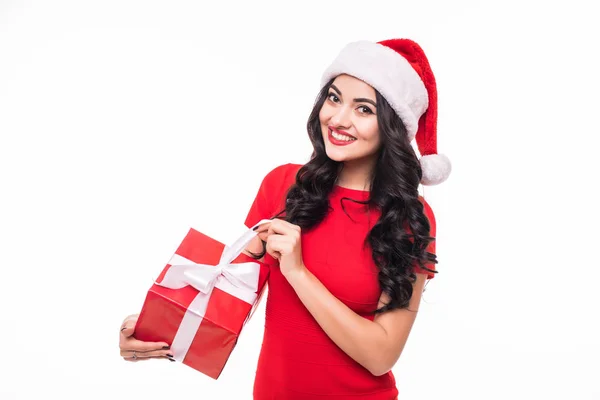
pixel 436 169
pixel 389 73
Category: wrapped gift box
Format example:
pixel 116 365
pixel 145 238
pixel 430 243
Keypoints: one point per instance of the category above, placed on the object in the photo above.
pixel 202 299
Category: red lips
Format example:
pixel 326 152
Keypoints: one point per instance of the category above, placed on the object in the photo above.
pixel 336 142
pixel 340 132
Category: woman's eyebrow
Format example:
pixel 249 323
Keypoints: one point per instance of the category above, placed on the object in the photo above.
pixel 336 89
pixel 363 100
pixel 358 100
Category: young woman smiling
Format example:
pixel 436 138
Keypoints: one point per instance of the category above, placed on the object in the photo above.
pixel 350 242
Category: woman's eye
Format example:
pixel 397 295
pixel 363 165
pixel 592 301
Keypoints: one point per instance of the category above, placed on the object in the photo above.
pixel 333 97
pixel 365 110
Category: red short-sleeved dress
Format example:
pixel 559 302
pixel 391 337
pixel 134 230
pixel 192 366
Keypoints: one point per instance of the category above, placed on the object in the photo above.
pixel 297 359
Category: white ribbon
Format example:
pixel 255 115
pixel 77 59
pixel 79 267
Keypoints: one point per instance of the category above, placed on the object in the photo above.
pixel 239 280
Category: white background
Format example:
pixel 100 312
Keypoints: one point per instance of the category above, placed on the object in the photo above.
pixel 123 123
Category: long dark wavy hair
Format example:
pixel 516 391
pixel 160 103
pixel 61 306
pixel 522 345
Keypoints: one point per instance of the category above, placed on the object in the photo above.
pixel 394 190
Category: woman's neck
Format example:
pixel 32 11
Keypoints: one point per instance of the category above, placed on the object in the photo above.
pixel 355 176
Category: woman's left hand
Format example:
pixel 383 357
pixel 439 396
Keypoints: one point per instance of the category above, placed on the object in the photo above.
pixel 284 244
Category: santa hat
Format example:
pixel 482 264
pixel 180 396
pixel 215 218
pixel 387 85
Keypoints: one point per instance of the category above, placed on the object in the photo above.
pixel 399 70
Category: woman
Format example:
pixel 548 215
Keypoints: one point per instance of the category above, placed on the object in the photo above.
pixel 350 241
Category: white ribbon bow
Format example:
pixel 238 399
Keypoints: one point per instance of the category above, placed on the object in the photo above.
pixel 239 280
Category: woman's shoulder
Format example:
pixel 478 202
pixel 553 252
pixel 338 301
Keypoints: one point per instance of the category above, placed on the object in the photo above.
pixel 284 169
pixel 277 183
pixel 428 212
pixel 282 175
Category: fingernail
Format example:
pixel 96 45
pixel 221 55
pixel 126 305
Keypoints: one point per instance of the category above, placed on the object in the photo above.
pixel 166 347
pixel 170 355
pixel 123 328
pixel 171 359
pixel 255 228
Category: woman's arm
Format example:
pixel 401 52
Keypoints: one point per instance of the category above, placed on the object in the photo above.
pixel 377 344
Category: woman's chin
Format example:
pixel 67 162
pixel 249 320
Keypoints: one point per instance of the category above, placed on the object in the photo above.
pixel 335 155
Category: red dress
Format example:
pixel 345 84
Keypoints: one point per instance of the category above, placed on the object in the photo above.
pixel 297 359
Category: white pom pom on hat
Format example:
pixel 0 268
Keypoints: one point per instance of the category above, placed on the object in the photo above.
pixel 399 70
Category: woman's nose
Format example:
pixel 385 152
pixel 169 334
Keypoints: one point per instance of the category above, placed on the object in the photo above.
pixel 342 117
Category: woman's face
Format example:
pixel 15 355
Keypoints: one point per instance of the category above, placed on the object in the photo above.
pixel 349 120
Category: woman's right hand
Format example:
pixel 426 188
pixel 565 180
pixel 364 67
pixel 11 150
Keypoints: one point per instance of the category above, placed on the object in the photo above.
pixel 136 350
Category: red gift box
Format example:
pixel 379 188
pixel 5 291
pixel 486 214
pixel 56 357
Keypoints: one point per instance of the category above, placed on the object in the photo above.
pixel 202 299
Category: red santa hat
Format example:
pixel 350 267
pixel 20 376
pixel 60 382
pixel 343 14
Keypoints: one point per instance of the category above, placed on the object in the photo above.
pixel 399 70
